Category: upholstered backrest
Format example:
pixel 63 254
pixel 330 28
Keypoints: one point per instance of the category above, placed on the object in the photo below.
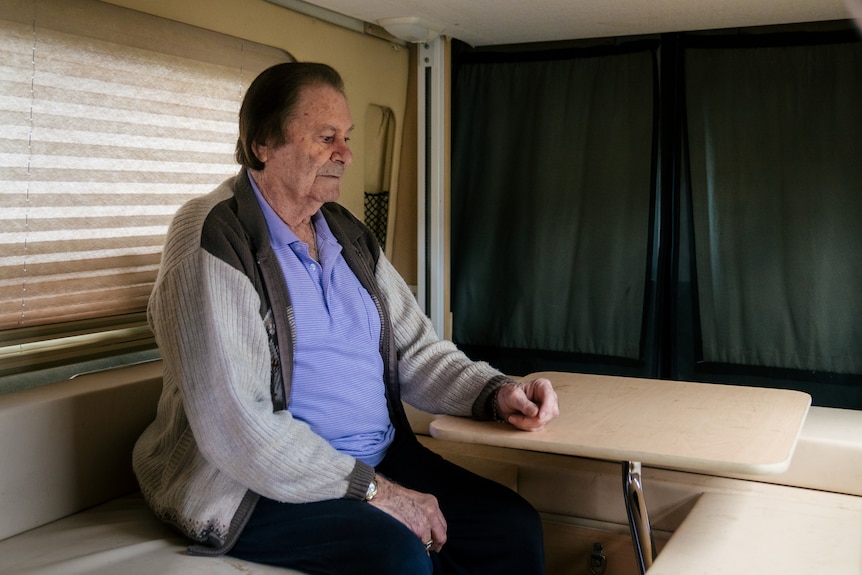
pixel 68 446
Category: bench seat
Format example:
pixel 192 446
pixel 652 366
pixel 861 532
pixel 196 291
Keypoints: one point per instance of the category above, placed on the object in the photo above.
pixel 69 501
pixel 730 534
pixel 120 537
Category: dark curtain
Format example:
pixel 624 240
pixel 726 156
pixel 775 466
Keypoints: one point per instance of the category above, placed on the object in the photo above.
pixel 552 183
pixel 718 239
pixel 775 143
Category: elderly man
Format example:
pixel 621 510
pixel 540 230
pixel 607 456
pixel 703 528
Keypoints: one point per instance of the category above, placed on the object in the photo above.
pixel 289 343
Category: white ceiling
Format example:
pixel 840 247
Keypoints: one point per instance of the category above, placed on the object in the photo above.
pixel 488 22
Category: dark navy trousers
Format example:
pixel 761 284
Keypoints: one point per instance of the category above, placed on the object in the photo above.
pixel 491 529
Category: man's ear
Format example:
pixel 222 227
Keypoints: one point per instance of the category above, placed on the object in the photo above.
pixel 261 152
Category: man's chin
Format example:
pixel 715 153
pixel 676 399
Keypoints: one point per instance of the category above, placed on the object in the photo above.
pixel 328 193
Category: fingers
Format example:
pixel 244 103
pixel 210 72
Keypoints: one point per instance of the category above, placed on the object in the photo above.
pixel 525 423
pixel 530 405
pixel 437 536
pixel 544 391
pixel 522 404
pixel 438 530
pixel 419 512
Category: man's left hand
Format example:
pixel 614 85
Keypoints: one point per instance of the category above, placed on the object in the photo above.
pixel 528 405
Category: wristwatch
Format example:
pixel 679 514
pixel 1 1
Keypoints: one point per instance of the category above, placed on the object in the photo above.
pixel 372 489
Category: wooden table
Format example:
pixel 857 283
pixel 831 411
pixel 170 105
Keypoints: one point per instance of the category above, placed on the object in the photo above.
pixel 697 427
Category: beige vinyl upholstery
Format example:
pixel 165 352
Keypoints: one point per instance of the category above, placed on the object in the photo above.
pixel 69 501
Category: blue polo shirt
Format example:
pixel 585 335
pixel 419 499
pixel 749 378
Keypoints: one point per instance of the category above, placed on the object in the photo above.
pixel 337 386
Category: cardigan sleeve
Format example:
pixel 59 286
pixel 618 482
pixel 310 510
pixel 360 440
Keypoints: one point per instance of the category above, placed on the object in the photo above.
pixel 435 375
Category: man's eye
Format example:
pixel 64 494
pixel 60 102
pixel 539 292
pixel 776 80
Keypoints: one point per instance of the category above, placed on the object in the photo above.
pixel 328 139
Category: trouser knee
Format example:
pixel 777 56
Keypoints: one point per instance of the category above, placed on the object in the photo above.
pixel 398 557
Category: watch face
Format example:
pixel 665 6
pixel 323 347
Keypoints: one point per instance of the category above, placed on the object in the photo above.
pixel 372 490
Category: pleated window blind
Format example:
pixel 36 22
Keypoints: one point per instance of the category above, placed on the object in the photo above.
pixel 110 119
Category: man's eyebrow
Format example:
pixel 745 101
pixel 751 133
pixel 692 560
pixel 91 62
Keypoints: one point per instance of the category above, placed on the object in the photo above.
pixel 335 128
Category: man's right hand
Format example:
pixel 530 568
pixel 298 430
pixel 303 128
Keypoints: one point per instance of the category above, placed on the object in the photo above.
pixel 418 511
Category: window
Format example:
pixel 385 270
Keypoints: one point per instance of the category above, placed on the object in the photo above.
pixel 743 262
pixel 552 183
pixel 772 201
pixel 106 130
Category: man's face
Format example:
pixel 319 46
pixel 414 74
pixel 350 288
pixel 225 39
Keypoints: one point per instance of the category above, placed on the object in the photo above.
pixel 306 171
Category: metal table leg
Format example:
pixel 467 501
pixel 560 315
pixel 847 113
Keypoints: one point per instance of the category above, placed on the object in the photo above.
pixel 638 517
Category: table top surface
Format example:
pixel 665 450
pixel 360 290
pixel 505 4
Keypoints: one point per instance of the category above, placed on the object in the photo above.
pixel 681 425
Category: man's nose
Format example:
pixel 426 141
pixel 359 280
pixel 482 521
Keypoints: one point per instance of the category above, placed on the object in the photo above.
pixel 343 154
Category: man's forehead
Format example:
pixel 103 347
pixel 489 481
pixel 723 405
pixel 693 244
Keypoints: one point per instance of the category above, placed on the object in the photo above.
pixel 324 106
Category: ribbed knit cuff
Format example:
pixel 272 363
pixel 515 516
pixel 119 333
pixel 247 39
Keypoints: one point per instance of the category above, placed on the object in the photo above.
pixel 483 407
pixel 359 479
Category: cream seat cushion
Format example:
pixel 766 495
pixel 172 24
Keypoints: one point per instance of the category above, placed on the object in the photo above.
pixel 119 537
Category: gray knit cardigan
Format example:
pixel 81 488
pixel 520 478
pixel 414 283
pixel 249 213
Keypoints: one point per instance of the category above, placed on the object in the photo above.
pixel 223 320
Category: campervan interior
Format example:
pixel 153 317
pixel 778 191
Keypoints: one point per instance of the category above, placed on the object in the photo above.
pixel 630 190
